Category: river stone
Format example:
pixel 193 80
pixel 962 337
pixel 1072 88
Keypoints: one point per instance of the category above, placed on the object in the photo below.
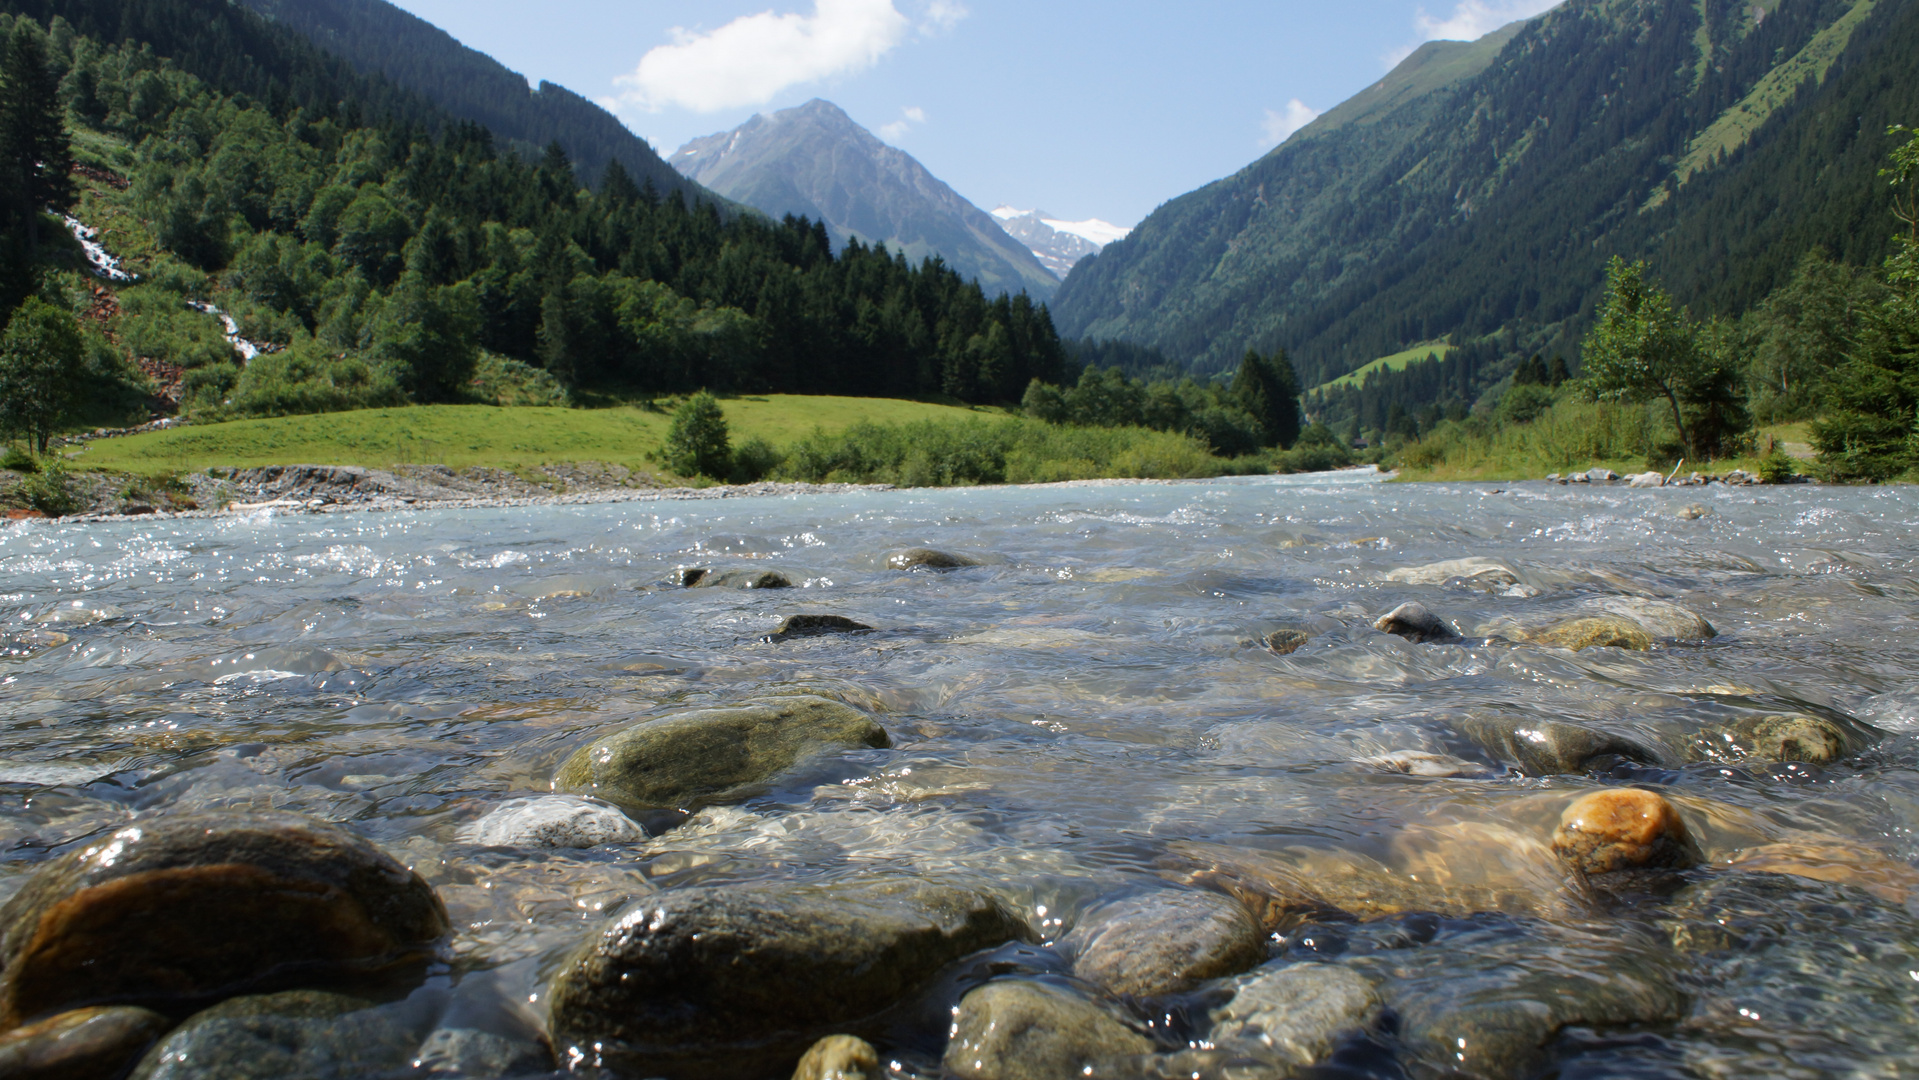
pixel 795 626
pixel 175 910
pixel 738 980
pixel 1287 642
pixel 303 1034
pixel 1477 571
pixel 928 559
pixel 1299 1011
pixel 1551 748
pixel 1164 942
pixel 707 756
pixel 1414 623
pixel 1815 740
pixel 702 578
pixel 1021 1030
pixel 85 1044
pixel 552 821
pixel 839 1057
pixel 472 1054
pixel 1660 619
pixel 1692 512
pixel 1623 829
pixel 1608 631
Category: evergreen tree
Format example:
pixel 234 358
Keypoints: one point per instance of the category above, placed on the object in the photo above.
pixel 35 149
pixel 1269 390
pixel 41 358
pixel 697 443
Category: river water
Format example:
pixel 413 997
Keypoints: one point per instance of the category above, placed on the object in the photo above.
pixel 1067 716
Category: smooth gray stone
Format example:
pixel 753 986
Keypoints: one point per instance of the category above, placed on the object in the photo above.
pixel 1550 748
pixel 928 559
pixel 709 756
pixel 1021 1030
pixel 1414 623
pixel 85 1044
pixel 1164 942
pixel 736 981
pixel 303 1034
pixel 178 910
pixel 481 1055
pixel 1299 1012
pixel 552 821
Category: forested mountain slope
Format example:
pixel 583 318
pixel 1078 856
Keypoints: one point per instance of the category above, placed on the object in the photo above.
pixel 816 162
pixel 378 38
pixel 1476 193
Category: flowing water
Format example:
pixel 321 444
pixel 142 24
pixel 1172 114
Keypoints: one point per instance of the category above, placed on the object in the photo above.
pixel 1068 718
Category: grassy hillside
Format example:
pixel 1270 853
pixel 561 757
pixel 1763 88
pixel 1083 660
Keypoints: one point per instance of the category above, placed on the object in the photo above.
pixel 461 436
pixel 1395 362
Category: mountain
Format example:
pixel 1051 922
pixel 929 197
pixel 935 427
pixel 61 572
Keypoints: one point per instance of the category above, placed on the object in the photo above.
pixel 1476 193
pixel 814 161
pixel 380 39
pixel 1057 244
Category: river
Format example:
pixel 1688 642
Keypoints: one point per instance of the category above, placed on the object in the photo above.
pixel 1077 716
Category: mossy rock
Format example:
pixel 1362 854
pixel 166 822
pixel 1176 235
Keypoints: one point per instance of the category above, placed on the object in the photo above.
pixel 1604 631
pixel 920 558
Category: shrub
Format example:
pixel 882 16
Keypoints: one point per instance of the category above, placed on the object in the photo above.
pixel 1523 403
pixel 696 443
pixel 754 461
pixel 18 460
pixel 49 491
pixel 500 380
pixel 1776 467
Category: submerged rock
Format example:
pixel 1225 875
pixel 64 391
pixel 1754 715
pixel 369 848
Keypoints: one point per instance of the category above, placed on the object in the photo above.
pixel 839 1057
pixel 1482 572
pixel 738 980
pixel 1834 861
pixel 928 559
pixel 26 643
pixel 1550 748
pixel 702 578
pixel 85 1044
pixel 1623 829
pixel 1023 1030
pixel 1663 620
pixel 1287 642
pixel 687 760
pixel 1164 942
pixel 1600 632
pixel 197 907
pixel 1815 740
pixel 795 626
pixel 1692 512
pixel 1414 623
pixel 1298 1012
pixel 552 821
pixel 303 1034
pixel 472 1054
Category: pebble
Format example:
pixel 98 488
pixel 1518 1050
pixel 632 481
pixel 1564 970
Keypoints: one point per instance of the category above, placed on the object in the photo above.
pixel 1300 1011
pixel 1163 942
pixel 1024 1030
pixel 796 626
pixel 552 821
pixel 1287 642
pixel 839 1057
pixel 708 756
pixel 1414 623
pixel 85 1044
pixel 173 909
pixel 928 559
pixel 1623 829
pixel 738 980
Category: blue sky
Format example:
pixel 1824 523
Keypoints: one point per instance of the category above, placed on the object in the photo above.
pixel 1086 108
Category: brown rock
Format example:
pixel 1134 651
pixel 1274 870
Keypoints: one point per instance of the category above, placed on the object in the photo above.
pixel 1164 942
pixel 85 1044
pixel 1286 642
pixel 194 908
pixel 815 625
pixel 839 1057
pixel 1623 829
pixel 1606 631
pixel 1414 623
pixel 928 559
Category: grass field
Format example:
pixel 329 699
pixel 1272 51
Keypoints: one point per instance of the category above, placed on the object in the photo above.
pixel 460 436
pixel 1395 362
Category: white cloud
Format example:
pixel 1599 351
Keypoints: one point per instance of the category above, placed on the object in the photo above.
pixel 909 118
pixel 753 58
pixel 1469 21
pixel 942 15
pixel 1280 124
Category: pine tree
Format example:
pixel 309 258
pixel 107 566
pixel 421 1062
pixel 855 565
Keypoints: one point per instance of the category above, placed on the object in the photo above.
pixel 34 146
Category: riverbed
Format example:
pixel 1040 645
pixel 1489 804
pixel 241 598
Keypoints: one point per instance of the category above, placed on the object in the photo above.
pixel 1092 710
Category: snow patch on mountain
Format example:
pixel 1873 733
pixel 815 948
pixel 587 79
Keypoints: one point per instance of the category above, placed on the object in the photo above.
pixel 1056 242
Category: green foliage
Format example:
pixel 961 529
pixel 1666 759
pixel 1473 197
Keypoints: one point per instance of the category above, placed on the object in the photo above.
pixel 49 491
pixel 1523 402
pixel 755 460
pixel 1777 467
pixel 41 371
pixel 1643 349
pixel 500 380
pixel 1108 398
pixel 306 377
pixel 36 155
pixel 1016 450
pixel 696 443
pixel 1267 388
pixel 19 460
pixel 1803 333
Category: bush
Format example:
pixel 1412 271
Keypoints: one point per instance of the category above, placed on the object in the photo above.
pixel 696 443
pixel 754 461
pixel 1523 403
pixel 500 380
pixel 19 460
pixel 1777 467
pixel 1016 451
pixel 49 491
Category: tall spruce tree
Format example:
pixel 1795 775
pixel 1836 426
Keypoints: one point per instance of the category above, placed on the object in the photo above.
pixel 1268 388
pixel 38 153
